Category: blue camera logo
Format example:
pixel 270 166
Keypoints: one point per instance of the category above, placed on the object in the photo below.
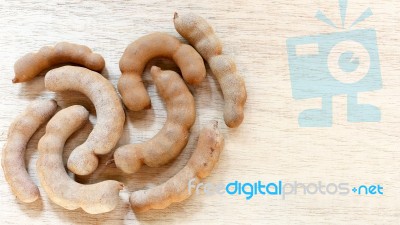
pixel 326 65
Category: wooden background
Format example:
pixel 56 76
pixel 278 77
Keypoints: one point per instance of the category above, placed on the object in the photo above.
pixel 269 146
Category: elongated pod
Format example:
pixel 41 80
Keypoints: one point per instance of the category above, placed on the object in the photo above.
pixel 13 161
pixel 94 198
pixel 138 53
pixel 168 143
pixel 31 64
pixel 176 189
pixel 109 111
pixel 200 34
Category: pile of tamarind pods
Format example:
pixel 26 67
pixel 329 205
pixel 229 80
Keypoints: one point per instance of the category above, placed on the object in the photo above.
pixel 164 147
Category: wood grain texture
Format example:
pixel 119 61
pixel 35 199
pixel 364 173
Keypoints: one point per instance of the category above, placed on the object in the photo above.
pixel 269 146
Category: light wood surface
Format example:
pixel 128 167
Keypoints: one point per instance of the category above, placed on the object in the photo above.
pixel 269 146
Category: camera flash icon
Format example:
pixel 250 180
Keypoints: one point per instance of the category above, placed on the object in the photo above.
pixel 322 66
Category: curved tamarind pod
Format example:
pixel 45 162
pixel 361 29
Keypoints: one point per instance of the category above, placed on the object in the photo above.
pixel 31 64
pixel 13 160
pixel 93 198
pixel 168 143
pixel 109 111
pixel 138 53
pixel 199 166
pixel 200 34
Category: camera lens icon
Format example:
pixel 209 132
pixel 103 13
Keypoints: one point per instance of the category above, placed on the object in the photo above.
pixel 322 66
pixel 349 62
